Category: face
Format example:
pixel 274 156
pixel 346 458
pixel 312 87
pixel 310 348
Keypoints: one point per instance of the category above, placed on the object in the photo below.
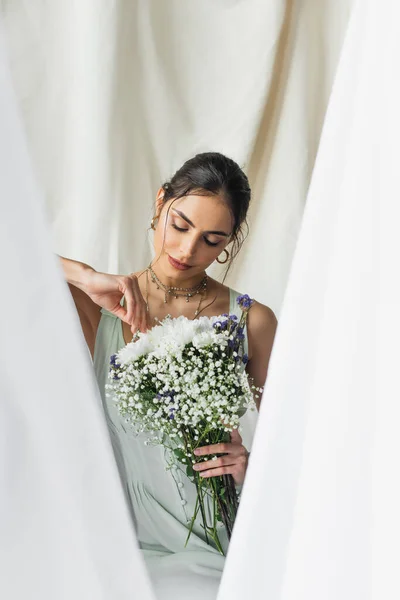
pixel 190 234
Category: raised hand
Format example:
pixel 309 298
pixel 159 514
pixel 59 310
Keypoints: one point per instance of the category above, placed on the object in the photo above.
pixel 107 290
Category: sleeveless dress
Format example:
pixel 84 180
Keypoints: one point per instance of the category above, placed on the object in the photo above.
pixel 161 501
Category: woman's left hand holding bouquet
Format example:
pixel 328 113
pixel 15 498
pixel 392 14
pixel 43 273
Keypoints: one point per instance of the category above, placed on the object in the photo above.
pixel 233 462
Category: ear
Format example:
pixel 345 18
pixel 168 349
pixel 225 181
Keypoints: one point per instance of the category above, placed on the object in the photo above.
pixel 159 200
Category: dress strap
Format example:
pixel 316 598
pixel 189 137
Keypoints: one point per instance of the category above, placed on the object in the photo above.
pixel 234 309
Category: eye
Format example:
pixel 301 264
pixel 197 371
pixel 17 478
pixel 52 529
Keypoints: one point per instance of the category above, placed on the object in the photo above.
pixel 178 228
pixel 210 243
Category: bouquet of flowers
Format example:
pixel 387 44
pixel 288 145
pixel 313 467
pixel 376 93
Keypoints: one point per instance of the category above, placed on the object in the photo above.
pixel 184 384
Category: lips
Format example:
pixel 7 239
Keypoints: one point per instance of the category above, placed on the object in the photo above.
pixel 177 264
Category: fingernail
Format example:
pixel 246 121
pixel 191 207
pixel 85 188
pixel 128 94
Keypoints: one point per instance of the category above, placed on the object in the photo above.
pixel 197 452
pixel 196 467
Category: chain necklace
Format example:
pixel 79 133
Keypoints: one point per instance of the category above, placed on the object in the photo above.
pixel 200 288
pixel 176 292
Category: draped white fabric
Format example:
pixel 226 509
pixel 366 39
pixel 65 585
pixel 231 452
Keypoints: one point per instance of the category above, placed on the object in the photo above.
pixel 116 95
pixel 65 531
pixel 320 516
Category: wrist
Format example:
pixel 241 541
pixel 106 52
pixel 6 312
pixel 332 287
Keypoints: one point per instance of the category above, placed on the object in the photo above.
pixel 77 273
pixel 86 277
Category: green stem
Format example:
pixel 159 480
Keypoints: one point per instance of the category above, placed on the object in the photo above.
pixel 196 510
pixel 223 504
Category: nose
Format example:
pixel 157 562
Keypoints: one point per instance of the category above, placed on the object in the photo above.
pixel 188 247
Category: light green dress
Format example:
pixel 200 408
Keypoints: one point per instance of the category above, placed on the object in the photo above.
pixel 161 500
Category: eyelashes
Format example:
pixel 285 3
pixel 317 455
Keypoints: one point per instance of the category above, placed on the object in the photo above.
pixel 210 243
pixel 182 229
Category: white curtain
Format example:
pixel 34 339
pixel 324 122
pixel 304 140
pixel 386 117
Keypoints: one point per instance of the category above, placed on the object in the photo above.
pixel 116 94
pixel 65 530
pixel 319 516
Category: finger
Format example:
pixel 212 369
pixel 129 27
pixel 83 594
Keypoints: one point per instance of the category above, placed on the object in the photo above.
pixel 142 316
pixel 129 299
pixel 138 302
pixel 134 324
pixel 225 470
pixel 223 448
pixel 219 462
pixel 236 438
pixel 120 312
pixel 141 311
pixel 145 323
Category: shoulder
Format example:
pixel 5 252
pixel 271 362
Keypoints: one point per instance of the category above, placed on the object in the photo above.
pixel 261 328
pixel 259 316
pixel 218 287
pixel 262 316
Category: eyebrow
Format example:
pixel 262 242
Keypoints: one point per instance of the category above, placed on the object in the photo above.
pixel 185 218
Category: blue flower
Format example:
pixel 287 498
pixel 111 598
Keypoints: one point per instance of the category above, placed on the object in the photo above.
pixel 240 333
pixel 245 359
pixel 167 394
pixel 114 365
pixel 221 325
pixel 244 301
pixel 113 361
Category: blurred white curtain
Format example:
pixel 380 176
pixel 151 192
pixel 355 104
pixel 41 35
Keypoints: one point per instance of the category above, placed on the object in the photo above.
pixel 319 516
pixel 65 531
pixel 115 95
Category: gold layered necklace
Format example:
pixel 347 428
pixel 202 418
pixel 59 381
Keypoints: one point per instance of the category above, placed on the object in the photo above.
pixel 177 292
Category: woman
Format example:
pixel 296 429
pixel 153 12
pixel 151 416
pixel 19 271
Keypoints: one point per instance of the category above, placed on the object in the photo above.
pixel 199 218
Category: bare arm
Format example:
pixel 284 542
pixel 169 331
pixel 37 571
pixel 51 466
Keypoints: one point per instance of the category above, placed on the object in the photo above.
pixel 261 328
pixel 92 290
pixel 77 275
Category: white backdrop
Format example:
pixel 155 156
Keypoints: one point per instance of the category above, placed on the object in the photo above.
pixel 116 94
pixel 65 529
pixel 319 516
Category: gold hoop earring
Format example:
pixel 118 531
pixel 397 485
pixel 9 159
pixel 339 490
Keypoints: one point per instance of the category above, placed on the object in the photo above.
pixel 223 262
pixel 153 223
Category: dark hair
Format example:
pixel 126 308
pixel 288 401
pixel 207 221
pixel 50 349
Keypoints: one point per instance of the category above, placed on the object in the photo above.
pixel 213 173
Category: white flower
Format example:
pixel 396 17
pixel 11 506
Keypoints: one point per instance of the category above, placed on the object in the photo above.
pixel 184 379
pixel 134 350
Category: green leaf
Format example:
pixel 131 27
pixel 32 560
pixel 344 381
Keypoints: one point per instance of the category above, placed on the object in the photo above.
pixel 179 453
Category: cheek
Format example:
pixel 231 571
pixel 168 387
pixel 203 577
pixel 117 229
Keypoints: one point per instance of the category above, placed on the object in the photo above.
pixel 207 254
pixel 164 237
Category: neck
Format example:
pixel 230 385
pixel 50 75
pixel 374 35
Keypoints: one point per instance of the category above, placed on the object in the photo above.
pixel 181 282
